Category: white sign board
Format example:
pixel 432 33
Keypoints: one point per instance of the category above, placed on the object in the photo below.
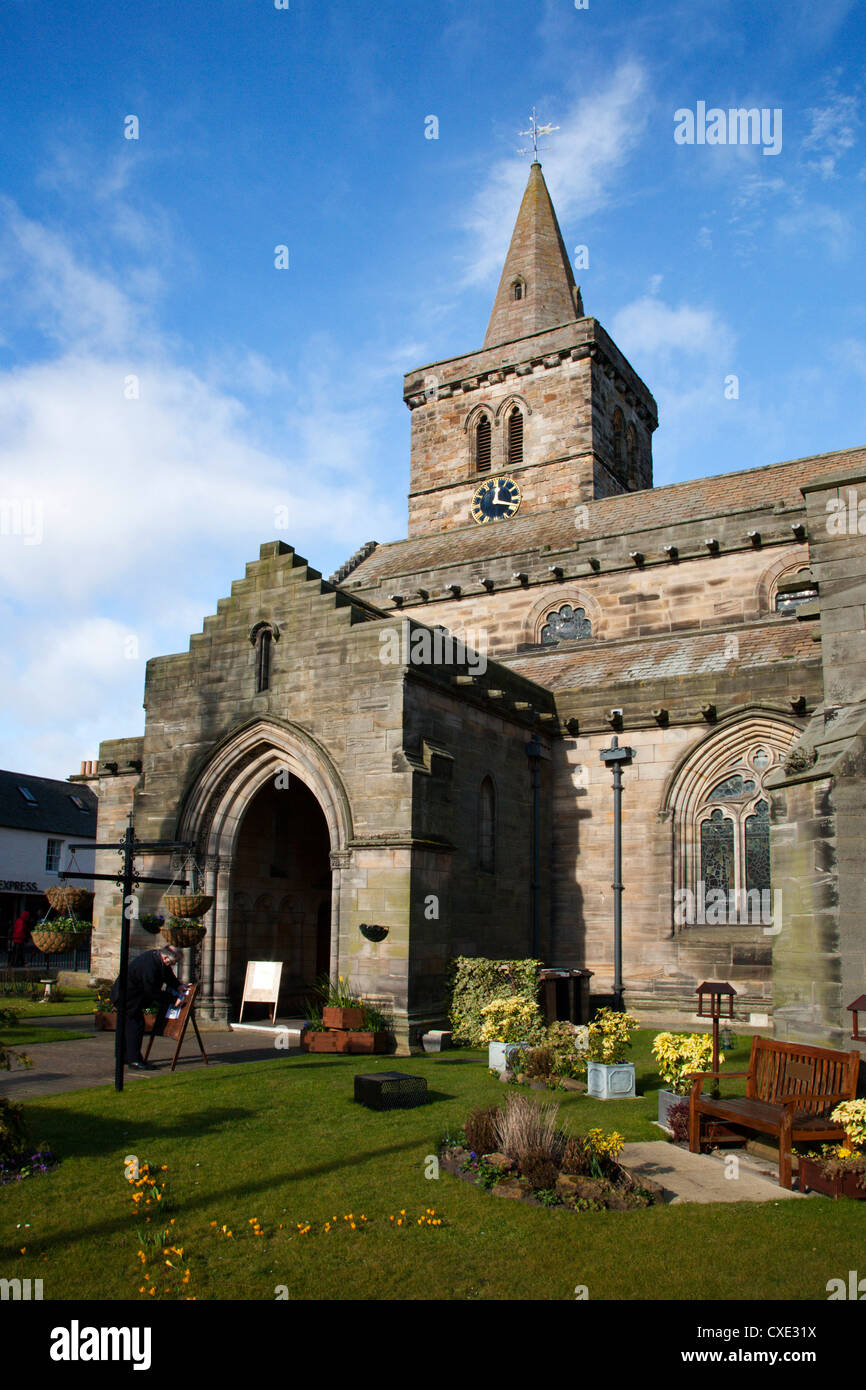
pixel 262 984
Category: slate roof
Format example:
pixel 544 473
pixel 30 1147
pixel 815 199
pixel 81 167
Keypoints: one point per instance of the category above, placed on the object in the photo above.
pixel 597 663
pixel 692 501
pixel 54 813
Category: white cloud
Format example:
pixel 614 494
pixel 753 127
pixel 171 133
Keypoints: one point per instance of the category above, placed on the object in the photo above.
pixel 832 133
pixel 819 223
pixel 581 167
pixel 651 327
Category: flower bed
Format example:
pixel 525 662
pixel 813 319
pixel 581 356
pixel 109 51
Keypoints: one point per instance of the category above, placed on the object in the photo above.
pixel 517 1152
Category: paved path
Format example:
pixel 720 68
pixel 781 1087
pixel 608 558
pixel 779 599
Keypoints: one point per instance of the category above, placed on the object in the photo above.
pixel 69 1066
pixel 688 1177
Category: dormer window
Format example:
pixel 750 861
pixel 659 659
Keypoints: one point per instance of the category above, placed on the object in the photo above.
pixel 515 437
pixel 518 289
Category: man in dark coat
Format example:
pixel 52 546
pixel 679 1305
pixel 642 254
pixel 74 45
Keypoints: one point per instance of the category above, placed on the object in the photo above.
pixel 148 975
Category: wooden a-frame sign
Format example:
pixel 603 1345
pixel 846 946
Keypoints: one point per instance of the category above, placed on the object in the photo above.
pixel 169 1026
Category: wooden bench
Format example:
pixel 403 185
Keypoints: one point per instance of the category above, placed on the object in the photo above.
pixel 790 1091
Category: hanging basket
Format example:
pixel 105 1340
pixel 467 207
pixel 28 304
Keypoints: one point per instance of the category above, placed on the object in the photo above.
pixel 182 933
pixel 187 905
pixel 71 902
pixel 52 942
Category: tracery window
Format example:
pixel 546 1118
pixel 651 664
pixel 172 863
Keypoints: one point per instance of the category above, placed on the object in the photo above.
pixel 565 624
pixel 734 827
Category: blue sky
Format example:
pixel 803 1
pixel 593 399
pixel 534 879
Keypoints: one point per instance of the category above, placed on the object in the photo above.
pixel 269 401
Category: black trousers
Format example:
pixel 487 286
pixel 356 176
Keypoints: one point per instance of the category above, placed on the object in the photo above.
pixel 134 1033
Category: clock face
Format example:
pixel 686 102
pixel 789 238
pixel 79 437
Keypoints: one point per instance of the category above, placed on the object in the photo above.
pixel 495 500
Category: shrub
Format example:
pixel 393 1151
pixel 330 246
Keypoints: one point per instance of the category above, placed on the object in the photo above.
pixel 13 1135
pixel 609 1035
pixel 678 1119
pixel 539 1171
pixel 511 1020
pixel 481 1133
pixel 595 1153
pixel 476 982
pixel 524 1127
pixel 561 1038
pixel 574 1158
pixel 680 1053
pixel 539 1063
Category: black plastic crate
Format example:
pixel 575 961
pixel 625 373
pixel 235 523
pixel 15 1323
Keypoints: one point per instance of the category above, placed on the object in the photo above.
pixel 390 1090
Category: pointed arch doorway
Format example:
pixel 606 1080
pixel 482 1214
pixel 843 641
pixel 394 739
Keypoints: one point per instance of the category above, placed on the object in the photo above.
pixel 280 903
pixel 271 820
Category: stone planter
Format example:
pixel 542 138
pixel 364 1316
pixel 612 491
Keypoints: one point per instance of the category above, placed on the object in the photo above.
pixel 349 1019
pixel 610 1080
pixel 498 1055
pixel 667 1100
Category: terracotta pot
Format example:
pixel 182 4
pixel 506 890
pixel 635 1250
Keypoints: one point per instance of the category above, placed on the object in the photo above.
pixel 182 934
pixel 814 1179
pixel 51 942
pixel 68 901
pixel 333 1017
pixel 187 904
pixel 367 1042
pixel 320 1042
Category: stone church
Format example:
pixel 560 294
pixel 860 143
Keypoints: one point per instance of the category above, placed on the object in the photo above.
pixel 414 745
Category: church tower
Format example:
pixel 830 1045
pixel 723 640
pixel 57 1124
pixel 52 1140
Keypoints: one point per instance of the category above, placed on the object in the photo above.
pixel 548 413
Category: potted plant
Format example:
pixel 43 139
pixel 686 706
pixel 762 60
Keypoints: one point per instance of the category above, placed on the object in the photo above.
pixel 372 1036
pixel 341 1009
pixel 151 922
pixel 840 1169
pixel 678 1054
pixel 183 931
pixel 105 1015
pixel 608 1075
pixel 187 906
pixel 510 1021
pixel 61 934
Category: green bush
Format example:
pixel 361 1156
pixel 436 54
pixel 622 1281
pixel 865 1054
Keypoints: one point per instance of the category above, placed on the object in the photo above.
pixel 13 1135
pixel 476 981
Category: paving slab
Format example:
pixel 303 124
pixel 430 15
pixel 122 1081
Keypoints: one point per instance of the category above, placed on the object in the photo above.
pixel 688 1177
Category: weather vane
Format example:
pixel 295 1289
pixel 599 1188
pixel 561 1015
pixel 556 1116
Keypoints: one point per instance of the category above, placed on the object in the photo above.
pixel 535 130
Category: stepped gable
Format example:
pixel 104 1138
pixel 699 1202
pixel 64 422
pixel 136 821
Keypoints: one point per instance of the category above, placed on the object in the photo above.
pixel 268 573
pixel 775 485
pixel 657 658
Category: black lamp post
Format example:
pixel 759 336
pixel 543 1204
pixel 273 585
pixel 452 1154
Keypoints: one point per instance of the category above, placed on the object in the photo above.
pixel 617 758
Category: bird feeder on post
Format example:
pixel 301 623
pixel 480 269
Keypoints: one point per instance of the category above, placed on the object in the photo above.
pixel 857 1008
pixel 718 990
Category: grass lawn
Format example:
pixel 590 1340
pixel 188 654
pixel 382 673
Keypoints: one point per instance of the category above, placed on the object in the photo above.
pixel 30 1034
pixel 282 1142
pixel 74 1001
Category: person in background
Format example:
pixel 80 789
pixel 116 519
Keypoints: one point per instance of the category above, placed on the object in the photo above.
pixel 148 975
pixel 20 937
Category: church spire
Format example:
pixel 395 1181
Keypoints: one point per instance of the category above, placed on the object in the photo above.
pixel 537 288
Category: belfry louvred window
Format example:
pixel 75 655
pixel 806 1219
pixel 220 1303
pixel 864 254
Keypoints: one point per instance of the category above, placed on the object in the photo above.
pixel 482 445
pixel 515 437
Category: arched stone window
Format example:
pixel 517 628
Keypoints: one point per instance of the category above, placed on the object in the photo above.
pixel 518 288
pixel 262 638
pixel 515 436
pixel 721 826
pixel 565 624
pixel 487 826
pixel 483 435
pixel 793 587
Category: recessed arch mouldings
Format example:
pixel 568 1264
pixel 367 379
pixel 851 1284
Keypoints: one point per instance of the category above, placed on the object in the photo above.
pixel 554 598
pixel 507 405
pixel 781 568
pixel 226 781
pixel 703 765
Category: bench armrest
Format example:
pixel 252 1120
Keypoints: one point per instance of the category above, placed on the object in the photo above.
pixel 698 1078
pixel 825 1100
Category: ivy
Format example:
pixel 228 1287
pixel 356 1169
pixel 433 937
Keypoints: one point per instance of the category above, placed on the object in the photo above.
pixel 476 981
